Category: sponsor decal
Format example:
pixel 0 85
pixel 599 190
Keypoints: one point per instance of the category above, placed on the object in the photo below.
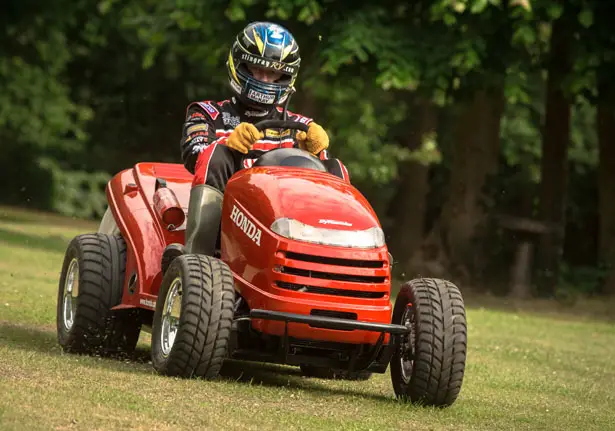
pixel 248 163
pixel 199 147
pixel 197 128
pixel 336 222
pixel 255 113
pixel 259 97
pixel 275 134
pixel 246 225
pixel 276 33
pixel 230 120
pixel 275 65
pixel 211 109
pixel 235 86
pixel 147 302
pixel 196 139
pixel 196 115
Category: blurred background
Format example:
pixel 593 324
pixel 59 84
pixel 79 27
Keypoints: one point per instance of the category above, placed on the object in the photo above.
pixel 482 131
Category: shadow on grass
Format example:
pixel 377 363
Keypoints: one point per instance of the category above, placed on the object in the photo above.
pixel 46 243
pixel 272 375
pixel 43 341
pixel 27 338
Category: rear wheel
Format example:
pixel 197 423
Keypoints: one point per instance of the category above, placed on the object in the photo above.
pixel 91 283
pixel 429 363
pixel 193 318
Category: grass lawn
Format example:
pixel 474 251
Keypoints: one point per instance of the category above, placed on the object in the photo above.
pixel 546 368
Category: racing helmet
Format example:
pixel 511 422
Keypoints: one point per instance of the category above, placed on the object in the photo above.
pixel 268 46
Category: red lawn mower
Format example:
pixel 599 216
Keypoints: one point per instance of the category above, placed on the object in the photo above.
pixel 301 276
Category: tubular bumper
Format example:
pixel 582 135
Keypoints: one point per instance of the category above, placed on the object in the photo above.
pixel 329 322
pixel 376 358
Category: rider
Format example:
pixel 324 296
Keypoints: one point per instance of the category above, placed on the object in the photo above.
pixel 219 138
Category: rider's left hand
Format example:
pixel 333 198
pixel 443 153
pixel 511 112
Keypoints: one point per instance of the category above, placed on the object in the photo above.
pixel 315 140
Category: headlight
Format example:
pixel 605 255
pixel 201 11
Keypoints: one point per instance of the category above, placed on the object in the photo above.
pixel 293 229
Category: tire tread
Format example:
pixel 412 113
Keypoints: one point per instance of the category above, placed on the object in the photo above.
pixel 202 341
pixel 440 342
pixel 96 329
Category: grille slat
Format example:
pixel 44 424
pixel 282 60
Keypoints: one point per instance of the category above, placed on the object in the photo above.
pixel 331 276
pixel 335 261
pixel 329 291
pixel 335 270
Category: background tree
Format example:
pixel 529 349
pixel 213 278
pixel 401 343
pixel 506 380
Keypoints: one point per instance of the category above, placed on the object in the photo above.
pixel 449 114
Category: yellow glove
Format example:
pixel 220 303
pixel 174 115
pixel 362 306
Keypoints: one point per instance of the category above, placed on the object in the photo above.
pixel 315 140
pixel 243 137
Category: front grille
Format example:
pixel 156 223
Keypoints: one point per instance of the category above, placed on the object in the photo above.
pixel 332 271
pixel 328 291
pixel 335 261
pixel 332 276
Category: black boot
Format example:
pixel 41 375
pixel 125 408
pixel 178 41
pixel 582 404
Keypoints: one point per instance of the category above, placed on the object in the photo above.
pixel 204 212
pixel 203 225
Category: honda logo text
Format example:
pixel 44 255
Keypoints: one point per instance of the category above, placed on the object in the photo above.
pixel 246 225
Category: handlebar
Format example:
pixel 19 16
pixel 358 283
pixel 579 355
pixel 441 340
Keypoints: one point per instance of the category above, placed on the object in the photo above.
pixel 280 124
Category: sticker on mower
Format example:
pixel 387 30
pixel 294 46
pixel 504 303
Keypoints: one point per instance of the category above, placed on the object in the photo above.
pixel 336 222
pixel 147 302
pixel 245 224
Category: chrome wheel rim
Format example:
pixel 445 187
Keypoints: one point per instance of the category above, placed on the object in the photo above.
pixel 406 356
pixel 71 292
pixel 170 316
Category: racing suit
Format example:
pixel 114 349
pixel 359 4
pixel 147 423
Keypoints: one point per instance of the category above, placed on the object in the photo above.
pixel 208 125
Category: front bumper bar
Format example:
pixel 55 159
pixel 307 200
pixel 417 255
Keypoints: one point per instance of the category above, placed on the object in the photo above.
pixel 375 359
pixel 329 322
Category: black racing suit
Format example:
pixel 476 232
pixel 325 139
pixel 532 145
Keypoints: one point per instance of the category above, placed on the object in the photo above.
pixel 208 125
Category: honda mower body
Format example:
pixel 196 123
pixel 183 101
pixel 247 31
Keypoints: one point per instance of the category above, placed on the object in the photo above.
pixel 302 276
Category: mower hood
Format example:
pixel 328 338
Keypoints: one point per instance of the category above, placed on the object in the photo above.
pixel 311 197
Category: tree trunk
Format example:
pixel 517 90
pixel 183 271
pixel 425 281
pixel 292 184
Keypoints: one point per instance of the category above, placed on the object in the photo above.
pixel 554 171
pixel 606 182
pixel 475 159
pixel 409 203
pixel 450 247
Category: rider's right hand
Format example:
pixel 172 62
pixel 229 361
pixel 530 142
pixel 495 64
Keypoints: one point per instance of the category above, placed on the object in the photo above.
pixel 243 137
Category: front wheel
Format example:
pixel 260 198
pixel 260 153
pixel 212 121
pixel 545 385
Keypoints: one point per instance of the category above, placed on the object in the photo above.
pixel 193 317
pixel 429 363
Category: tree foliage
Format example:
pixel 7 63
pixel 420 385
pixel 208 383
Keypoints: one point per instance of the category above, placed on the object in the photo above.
pixel 93 86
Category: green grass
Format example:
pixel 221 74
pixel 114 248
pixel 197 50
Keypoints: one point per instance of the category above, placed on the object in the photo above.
pixel 526 370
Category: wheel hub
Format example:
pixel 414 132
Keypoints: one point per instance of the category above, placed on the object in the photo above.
pixel 407 345
pixel 170 316
pixel 71 293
